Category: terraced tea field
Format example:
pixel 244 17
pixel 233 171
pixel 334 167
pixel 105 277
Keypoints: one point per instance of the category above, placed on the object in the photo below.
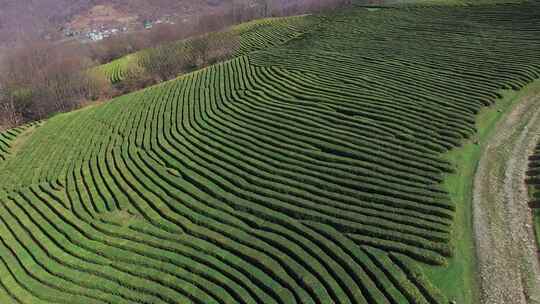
pixel 304 172
pixel 8 137
pixel 252 36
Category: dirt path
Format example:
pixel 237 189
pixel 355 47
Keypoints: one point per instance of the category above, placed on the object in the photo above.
pixel 506 250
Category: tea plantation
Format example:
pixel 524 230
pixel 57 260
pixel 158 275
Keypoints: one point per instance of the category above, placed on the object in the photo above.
pixel 308 171
pixel 250 36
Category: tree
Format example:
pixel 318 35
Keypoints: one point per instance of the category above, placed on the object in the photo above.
pixel 164 62
pixel 9 116
pixel 42 78
pixel 200 48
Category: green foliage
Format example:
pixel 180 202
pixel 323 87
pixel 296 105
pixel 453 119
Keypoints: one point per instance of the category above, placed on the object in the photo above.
pixel 8 137
pixel 303 172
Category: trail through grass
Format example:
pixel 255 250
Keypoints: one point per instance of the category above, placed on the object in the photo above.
pixel 458 280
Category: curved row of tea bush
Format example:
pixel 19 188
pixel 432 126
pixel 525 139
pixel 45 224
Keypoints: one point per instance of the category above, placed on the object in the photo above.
pixel 251 36
pixel 7 138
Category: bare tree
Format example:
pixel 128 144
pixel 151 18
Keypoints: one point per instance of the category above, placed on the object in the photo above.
pixel 164 62
pixel 41 78
pixel 9 116
pixel 200 47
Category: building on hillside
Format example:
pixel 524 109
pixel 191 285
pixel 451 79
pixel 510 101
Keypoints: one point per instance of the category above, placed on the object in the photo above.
pixel 95 36
pixel 148 24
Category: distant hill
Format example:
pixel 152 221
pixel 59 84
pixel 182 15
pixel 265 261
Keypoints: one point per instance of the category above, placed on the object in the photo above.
pixel 54 19
pixel 45 18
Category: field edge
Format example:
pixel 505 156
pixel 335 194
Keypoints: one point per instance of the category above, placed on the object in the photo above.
pixel 458 280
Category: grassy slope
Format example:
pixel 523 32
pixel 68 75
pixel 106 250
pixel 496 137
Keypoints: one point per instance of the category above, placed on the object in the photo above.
pixel 458 280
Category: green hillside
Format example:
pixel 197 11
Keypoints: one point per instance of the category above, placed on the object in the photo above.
pixel 8 138
pixel 253 35
pixel 309 171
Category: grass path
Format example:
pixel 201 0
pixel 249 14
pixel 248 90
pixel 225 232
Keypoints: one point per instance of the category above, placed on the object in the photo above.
pixel 22 138
pixel 506 248
pixel 459 280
